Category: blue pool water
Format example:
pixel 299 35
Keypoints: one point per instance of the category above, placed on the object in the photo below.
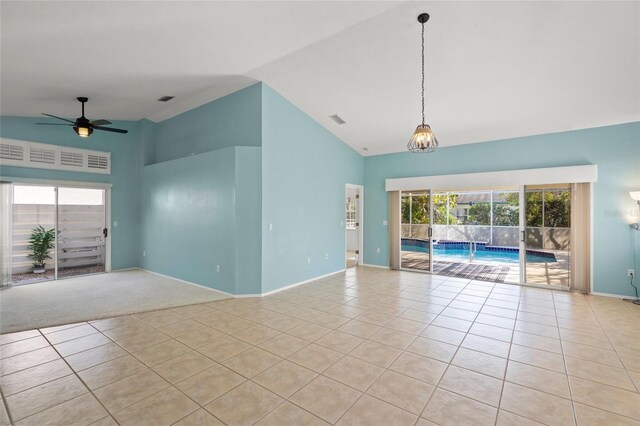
pixel 457 254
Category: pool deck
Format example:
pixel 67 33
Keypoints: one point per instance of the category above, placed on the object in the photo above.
pixel 554 273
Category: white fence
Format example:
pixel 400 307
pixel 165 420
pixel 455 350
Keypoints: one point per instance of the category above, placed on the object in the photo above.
pixel 80 238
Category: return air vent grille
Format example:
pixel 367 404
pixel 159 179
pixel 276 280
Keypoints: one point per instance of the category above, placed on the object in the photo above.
pixel 42 155
pixel 54 157
pixel 73 159
pixel 11 152
pixel 98 162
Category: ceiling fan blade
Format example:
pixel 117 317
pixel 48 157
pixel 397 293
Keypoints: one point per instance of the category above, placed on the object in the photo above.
pixel 55 124
pixel 59 118
pixel 110 129
pixel 100 122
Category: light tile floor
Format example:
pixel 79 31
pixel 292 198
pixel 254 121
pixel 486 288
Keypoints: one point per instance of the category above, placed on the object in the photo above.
pixel 368 346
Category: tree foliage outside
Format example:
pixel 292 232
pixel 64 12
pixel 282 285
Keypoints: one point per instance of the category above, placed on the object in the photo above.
pixel 506 215
pixel 415 209
pixel 553 209
pixel 549 208
pixel 479 214
pixel 440 202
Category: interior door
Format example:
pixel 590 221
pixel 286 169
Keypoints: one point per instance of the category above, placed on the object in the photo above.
pixel 82 231
pixel 416 232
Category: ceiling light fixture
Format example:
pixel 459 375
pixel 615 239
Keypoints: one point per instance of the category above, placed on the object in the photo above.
pixel 423 139
pixel 82 126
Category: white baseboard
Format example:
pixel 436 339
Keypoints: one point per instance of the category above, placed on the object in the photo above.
pixel 300 283
pixel 374 266
pixel 185 282
pixel 617 296
pixel 238 296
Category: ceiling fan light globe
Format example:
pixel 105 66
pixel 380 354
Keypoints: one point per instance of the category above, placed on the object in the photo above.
pixel 82 131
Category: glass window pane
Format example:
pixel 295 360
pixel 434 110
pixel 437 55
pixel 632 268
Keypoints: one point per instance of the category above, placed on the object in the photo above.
pixel 533 200
pixel 557 208
pixel 506 209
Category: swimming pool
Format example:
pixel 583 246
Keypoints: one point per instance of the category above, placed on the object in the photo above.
pixel 459 251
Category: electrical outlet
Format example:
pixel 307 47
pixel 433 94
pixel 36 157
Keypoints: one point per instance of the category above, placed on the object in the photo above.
pixel 378 250
pixel 326 256
pixel 631 273
pixel 144 253
pixel 217 268
pixel 309 260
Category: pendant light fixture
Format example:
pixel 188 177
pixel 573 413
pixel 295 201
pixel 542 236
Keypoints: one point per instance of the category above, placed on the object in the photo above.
pixel 423 139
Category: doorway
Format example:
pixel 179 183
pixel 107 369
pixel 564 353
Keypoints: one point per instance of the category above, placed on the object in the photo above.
pixel 53 232
pixel 353 225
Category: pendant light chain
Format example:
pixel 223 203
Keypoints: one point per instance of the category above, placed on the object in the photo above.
pixel 423 74
pixel 423 139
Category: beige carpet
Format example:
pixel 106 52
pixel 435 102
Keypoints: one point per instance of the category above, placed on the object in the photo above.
pixel 92 297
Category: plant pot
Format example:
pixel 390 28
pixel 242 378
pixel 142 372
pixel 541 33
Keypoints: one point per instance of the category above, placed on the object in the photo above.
pixel 38 269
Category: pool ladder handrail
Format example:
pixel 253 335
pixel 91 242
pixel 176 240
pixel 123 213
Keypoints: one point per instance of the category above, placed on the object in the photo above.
pixel 473 247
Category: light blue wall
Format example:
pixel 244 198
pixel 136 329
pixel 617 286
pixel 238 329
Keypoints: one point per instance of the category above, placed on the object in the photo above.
pixel 124 173
pixel 233 120
pixel 189 223
pixel 248 215
pixel 304 171
pixel 615 149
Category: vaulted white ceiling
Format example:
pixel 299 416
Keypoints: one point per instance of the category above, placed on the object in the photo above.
pixel 494 69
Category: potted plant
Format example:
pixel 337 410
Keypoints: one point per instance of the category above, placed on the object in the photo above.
pixel 40 243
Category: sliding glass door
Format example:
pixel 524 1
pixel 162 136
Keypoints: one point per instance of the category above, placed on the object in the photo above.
pixel 33 234
pixel 416 215
pixel 475 234
pixel 505 235
pixel 52 232
pixel 82 233
pixel 547 234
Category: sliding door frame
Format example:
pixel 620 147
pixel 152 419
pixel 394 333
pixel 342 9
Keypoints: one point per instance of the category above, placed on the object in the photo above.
pixel 522 226
pixel 429 231
pixel 68 184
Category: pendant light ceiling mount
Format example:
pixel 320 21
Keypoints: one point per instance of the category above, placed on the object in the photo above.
pixel 423 139
pixel 423 18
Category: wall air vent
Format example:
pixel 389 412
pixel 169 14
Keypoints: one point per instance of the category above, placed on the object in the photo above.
pixel 98 161
pixel 42 155
pixel 37 155
pixel 73 159
pixel 337 119
pixel 11 152
pixel 165 98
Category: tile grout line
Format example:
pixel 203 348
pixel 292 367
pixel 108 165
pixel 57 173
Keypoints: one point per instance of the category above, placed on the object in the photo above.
pixel 624 366
pixel 368 307
pixel 564 361
pixel 6 407
pixel 437 386
pixel 506 369
pixel 81 381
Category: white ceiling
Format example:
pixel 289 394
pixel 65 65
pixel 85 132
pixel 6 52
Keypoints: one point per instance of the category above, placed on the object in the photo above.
pixel 494 69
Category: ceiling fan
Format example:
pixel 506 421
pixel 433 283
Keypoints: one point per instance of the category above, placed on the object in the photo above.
pixel 83 126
